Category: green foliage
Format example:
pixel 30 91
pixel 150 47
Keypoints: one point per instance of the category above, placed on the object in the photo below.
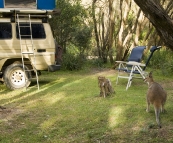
pixel 64 25
pixel 163 60
pixel 72 61
pixel 82 37
pixel 97 62
pixel 130 19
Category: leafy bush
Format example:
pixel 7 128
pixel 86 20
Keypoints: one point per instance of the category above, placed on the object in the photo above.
pixel 72 61
pixel 163 60
pixel 97 62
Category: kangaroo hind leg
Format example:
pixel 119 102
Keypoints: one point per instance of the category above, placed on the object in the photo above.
pixel 157 114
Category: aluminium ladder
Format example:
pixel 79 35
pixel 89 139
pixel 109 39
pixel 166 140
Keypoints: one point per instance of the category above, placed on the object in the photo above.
pixel 30 51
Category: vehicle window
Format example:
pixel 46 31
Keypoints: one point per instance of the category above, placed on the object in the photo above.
pixel 5 31
pixel 30 4
pixel 38 31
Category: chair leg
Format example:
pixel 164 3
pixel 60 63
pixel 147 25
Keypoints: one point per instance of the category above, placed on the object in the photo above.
pixel 129 82
pixel 117 81
pixel 117 78
pixel 142 73
pixel 130 77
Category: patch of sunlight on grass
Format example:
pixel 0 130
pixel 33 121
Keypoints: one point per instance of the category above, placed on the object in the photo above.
pixel 75 82
pixel 18 92
pixel 10 94
pixel 55 98
pixel 47 86
pixel 2 90
pixel 71 83
pixel 46 100
pixel 51 99
pixel 19 98
pixel 115 116
pixel 48 123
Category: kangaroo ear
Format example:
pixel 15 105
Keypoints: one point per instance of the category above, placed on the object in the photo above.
pixel 150 74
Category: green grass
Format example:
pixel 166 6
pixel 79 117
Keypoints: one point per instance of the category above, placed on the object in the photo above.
pixel 67 109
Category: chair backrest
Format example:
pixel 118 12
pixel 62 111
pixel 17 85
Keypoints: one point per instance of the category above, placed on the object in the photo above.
pixel 136 54
pixel 152 50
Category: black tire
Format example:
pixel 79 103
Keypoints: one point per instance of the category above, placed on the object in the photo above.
pixel 14 77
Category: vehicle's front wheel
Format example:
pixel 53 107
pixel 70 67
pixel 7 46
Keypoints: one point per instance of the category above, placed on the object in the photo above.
pixel 15 78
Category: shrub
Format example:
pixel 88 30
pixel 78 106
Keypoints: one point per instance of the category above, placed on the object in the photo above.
pixel 163 60
pixel 72 61
pixel 97 62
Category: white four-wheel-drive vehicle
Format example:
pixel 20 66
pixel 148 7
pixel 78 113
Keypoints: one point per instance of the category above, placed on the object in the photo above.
pixel 27 45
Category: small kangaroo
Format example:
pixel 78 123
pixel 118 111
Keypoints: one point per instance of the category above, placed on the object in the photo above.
pixel 156 95
pixel 105 86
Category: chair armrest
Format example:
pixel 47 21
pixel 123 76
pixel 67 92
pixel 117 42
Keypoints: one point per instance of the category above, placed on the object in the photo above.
pixel 135 63
pixel 121 62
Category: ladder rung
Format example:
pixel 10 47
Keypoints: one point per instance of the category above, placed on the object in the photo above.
pixel 27 15
pixel 27 52
pixel 25 35
pixel 29 45
pixel 23 15
pixel 24 26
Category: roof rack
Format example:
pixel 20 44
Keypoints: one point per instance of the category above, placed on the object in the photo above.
pixel 35 13
pixel 31 11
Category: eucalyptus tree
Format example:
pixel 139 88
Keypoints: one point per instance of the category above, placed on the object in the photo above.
pixel 121 25
pixel 118 27
pixel 160 14
pixel 104 23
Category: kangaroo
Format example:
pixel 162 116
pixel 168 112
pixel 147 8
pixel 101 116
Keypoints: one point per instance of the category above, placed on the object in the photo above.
pixel 156 95
pixel 105 86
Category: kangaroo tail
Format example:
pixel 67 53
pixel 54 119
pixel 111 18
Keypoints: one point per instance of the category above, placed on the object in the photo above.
pixel 157 113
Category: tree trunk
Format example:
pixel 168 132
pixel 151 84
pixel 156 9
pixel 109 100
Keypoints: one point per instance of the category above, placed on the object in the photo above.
pixel 111 30
pixel 104 40
pixel 95 28
pixel 120 47
pixel 159 18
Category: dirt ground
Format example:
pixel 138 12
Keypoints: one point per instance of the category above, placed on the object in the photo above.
pixel 7 114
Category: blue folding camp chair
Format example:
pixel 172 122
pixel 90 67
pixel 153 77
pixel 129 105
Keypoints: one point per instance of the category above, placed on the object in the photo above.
pixel 133 67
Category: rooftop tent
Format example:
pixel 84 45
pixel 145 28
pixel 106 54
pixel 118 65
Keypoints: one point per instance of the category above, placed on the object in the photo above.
pixel 1 4
pixel 46 4
pixel 28 4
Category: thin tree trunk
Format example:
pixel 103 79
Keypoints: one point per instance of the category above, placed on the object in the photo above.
pixel 95 28
pixel 120 35
pixel 111 30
